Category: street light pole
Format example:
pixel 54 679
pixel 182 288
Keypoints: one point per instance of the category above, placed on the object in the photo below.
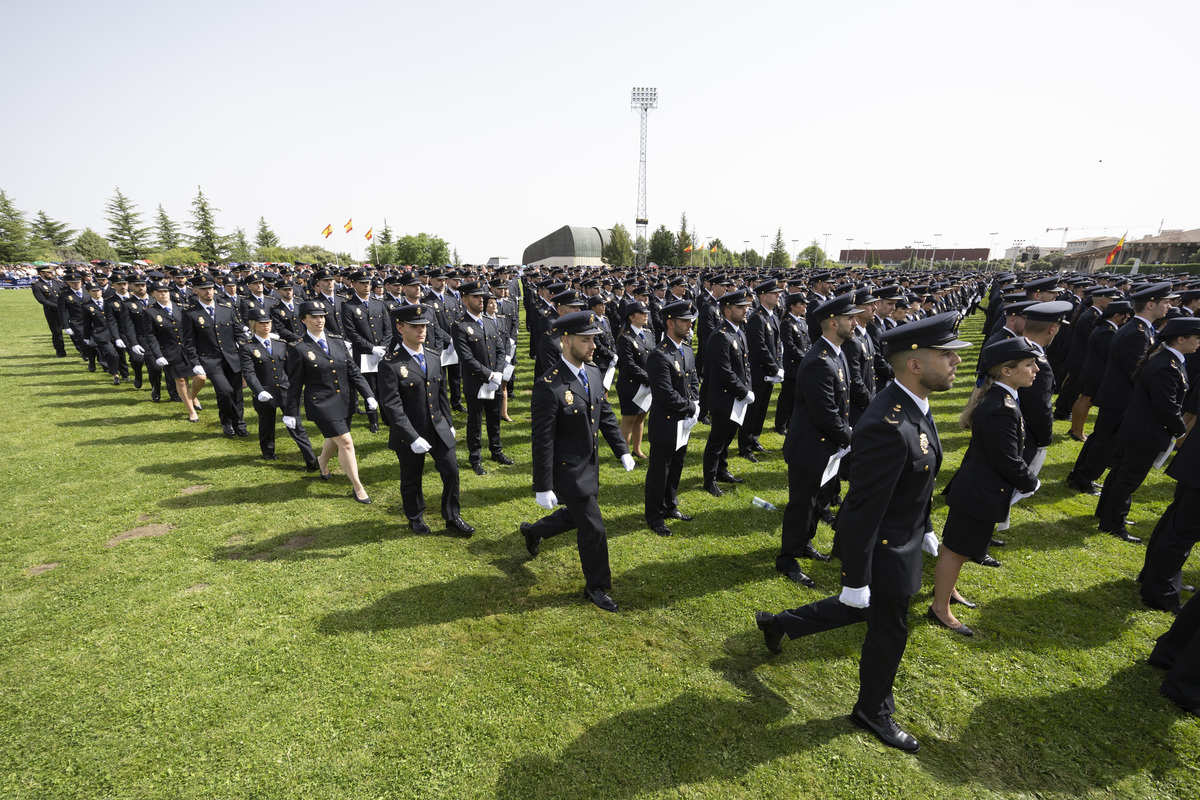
pixel 848 241
pixel 933 258
pixel 762 257
pixel 991 245
pixel 795 250
pixel 825 250
pixel 745 252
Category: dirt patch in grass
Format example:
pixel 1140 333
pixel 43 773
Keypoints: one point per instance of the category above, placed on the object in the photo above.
pixel 295 543
pixel 140 532
pixel 38 569
pixel 145 518
pixel 237 538
pixel 196 487
pixel 199 587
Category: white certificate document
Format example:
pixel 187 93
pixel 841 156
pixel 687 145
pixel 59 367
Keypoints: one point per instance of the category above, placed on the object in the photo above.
pixel 368 363
pixel 508 372
pixel 608 377
pixel 449 356
pixel 738 414
pixel 1039 460
pixel 831 467
pixel 642 398
pixel 683 431
pixel 1164 455
pixel 487 392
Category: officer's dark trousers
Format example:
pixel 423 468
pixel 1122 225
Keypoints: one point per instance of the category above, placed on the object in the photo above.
pixel 756 415
pixel 581 514
pixel 1178 650
pixel 716 449
pixel 266 433
pixel 1176 533
pixel 787 399
pixel 1097 452
pixel 1129 471
pixel 412 470
pixel 56 334
pixel 799 516
pixel 227 384
pixel 887 636
pixel 662 481
pixel 479 412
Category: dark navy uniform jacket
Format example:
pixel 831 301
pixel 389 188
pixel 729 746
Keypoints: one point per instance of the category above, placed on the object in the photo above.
pixel 674 387
pixel 993 465
pixel 820 423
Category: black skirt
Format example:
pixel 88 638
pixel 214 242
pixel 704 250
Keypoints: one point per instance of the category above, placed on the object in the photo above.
pixel 333 427
pixel 966 535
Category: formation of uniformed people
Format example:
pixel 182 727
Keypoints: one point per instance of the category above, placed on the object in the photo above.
pixel 856 356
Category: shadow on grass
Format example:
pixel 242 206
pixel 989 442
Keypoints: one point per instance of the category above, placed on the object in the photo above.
pixel 307 544
pixel 691 739
pixel 474 596
pixel 191 434
pixel 1071 743
pixel 92 422
pixel 257 494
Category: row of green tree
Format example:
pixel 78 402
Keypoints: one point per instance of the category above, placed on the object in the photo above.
pixel 683 248
pixel 131 237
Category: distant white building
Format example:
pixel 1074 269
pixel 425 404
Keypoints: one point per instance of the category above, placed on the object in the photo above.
pixel 1093 243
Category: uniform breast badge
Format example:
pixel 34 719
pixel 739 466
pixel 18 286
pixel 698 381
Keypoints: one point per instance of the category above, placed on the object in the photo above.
pixel 923 440
pixel 569 397
pixel 403 371
pixel 257 354
pixel 312 356
pixel 470 331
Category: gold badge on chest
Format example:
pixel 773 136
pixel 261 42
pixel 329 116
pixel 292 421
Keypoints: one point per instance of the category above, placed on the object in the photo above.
pixel 470 331
pixel 257 354
pixel 733 345
pixel 923 440
pixel 569 397
pixel 403 371
pixel 312 356
pixel 678 368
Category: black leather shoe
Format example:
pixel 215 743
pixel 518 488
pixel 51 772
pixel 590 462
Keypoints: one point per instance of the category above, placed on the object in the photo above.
pixel 1161 606
pixel 601 599
pixel 811 552
pixel 457 525
pixel 325 476
pixel 373 427
pixel 766 623
pixel 419 527
pixel 270 457
pixel 714 490
pixel 749 457
pixel 1187 587
pixel 366 501
pixel 1125 536
pixel 241 431
pixel 196 405
pixel 964 602
pixel 1083 487
pixel 500 458
pixel 137 383
pixel 727 477
pixel 116 381
pixel 533 542
pixel 998 542
pixel 679 515
pixel 478 467
pixel 459 408
pixel 228 429
pixel 797 576
pixel 962 628
pixel 661 530
pixel 155 395
pixel 988 561
pixel 311 466
pixel 758 448
pixel 828 518
pixel 886 730
pixel 705 420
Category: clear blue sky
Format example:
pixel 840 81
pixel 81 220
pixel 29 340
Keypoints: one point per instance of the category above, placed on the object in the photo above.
pixel 491 124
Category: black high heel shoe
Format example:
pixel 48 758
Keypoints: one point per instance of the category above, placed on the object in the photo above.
pixel 961 629
pixel 357 499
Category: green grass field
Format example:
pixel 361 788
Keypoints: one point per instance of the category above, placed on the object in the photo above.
pixel 278 640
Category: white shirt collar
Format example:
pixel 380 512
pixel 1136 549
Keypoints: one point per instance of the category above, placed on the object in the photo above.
pixel 921 404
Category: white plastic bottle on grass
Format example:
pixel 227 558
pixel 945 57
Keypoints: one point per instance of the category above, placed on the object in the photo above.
pixel 763 504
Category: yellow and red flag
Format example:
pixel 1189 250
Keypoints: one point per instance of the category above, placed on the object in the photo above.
pixel 328 230
pixel 687 249
pixel 714 249
pixel 1113 253
pixel 349 226
pixel 370 234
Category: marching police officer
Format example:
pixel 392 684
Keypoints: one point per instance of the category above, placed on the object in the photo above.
pixel 264 366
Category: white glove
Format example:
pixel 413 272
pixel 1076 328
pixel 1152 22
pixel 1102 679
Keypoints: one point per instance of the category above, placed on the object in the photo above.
pixel 452 434
pixel 1039 485
pixel 264 397
pixel 378 352
pixel 138 350
pixel 546 500
pixel 291 422
pixel 627 462
pixel 779 375
pixel 496 378
pixel 161 362
pixel 372 404
pixel 68 332
pixel 855 598
pixel 120 344
pixel 750 397
pixel 274 336
pixel 245 331
pixel 88 342
pixel 421 446
pixel 198 370
pixel 930 543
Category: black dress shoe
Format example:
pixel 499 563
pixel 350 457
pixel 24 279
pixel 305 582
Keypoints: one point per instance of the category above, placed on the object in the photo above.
pixel 155 395
pixel 963 602
pixel 1083 487
pixel 325 476
pixel 419 527
pixel 1161 606
pixel 679 515
pixel 1187 587
pixel 749 457
pixel 1125 536
pixel 660 529
pixel 270 457
pixel 988 561
pixel 228 430
pixel 137 383
pixel 962 628
pixel 457 525
pixel 196 405
pixel 91 367
pixel 797 576
pixel 116 381
pixel 727 477
pixel 311 466
pixel 478 467
pixel 601 599
pixel 758 448
pixel 241 431
pixel 714 490
pixel 459 408
pixel 374 427
pixel 998 542
pixel 828 518
pixel 886 730
pixel 500 458
pixel 766 623
pixel 533 542
pixel 705 420
pixel 365 501
pixel 811 552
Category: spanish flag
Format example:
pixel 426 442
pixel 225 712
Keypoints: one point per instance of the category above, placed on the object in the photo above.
pixel 687 249
pixel 328 230
pixel 714 249
pixel 349 225
pixel 370 234
pixel 1113 253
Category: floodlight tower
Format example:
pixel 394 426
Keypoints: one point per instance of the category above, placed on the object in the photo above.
pixel 643 99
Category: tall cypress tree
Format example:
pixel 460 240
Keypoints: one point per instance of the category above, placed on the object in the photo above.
pixel 169 237
pixel 127 234
pixel 206 240
pixel 51 230
pixel 265 237
pixel 14 232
